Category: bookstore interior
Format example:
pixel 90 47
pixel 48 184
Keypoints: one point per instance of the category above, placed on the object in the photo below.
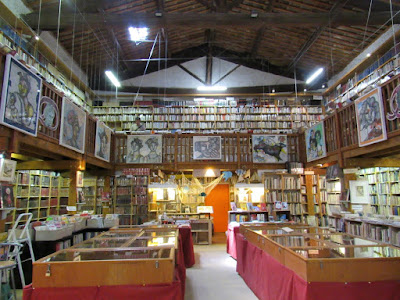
pixel 105 186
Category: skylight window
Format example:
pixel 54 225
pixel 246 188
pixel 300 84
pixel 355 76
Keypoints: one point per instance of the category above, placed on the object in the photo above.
pixel 138 34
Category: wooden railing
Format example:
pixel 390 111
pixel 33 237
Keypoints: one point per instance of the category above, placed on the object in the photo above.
pixel 236 148
pixel 348 126
pixel 331 128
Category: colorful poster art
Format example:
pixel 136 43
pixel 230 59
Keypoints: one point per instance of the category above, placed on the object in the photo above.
pixel 144 149
pixel 103 141
pixel 370 119
pixel 73 126
pixel 20 97
pixel 315 142
pixel 394 105
pixel 269 148
pixel 207 147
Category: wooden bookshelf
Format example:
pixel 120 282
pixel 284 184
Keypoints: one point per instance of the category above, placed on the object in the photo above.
pixel 286 188
pixel 41 193
pixel 266 118
pixel 130 198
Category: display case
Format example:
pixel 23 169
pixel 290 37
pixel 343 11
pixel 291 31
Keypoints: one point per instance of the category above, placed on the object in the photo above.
pixel 129 256
pixel 318 255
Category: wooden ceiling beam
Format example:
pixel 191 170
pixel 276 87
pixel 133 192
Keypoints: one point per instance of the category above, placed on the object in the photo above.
pixel 333 14
pixel 50 165
pixel 49 20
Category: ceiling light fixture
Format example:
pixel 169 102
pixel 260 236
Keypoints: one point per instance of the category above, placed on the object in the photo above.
pixel 315 75
pixel 305 90
pixel 113 79
pixel 37 37
pixel 138 34
pixel 158 14
pixel 323 86
pixel 211 88
pixel 273 90
pixel 368 54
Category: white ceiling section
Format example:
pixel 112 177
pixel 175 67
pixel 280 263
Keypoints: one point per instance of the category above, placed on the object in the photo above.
pixel 175 77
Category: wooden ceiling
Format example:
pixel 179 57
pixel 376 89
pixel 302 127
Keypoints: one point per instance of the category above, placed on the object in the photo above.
pixel 280 37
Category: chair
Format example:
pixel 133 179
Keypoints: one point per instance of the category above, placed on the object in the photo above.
pixel 22 236
pixel 9 255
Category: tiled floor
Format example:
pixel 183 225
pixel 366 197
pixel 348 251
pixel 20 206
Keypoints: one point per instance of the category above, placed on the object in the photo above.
pixel 214 274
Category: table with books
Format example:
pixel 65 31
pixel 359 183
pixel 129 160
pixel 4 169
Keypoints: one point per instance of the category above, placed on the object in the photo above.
pixel 134 263
pixel 301 262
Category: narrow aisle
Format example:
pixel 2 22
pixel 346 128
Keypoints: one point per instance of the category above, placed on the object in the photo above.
pixel 214 276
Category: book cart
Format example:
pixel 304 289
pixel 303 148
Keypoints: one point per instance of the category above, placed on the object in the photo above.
pixel 310 263
pixel 134 263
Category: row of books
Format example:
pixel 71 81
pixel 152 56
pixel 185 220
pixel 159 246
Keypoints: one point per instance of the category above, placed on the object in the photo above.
pixel 292 183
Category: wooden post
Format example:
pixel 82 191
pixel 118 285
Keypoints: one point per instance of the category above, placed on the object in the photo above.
pixel 339 140
pixel 72 188
pixel 107 189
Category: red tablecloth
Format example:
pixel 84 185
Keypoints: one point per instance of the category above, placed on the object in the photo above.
pixel 270 280
pixel 173 291
pixel 233 229
pixel 187 245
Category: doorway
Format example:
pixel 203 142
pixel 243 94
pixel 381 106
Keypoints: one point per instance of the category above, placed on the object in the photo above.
pixel 219 200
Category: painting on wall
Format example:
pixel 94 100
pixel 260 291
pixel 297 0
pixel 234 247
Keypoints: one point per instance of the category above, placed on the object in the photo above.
pixel 315 142
pixel 48 113
pixel 103 141
pixel 394 105
pixel 269 148
pixel 20 97
pixel 144 149
pixel 7 169
pixel 207 147
pixel 73 126
pixel 370 119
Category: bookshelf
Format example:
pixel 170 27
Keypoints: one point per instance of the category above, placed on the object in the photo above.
pixel 41 193
pixel 384 190
pixel 317 198
pixel 333 193
pixel 247 216
pixel 163 199
pixel 286 196
pixel 130 198
pixel 264 118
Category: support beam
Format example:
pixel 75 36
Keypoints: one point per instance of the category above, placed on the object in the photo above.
pixel 192 74
pixel 372 162
pixel 210 37
pixel 49 20
pixel 334 13
pixel 51 165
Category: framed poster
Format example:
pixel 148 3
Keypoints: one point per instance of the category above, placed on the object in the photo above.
pixel 207 147
pixel 48 113
pixel 394 105
pixel 73 126
pixel 315 142
pixel 144 149
pixel 269 148
pixel 7 169
pixel 103 141
pixel 20 97
pixel 370 119
pixel 359 191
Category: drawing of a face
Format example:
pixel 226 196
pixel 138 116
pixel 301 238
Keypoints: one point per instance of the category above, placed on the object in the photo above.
pixel 73 121
pixel 152 143
pixel 136 144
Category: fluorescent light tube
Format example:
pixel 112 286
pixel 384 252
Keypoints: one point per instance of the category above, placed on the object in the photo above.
pixel 138 34
pixel 113 79
pixel 211 88
pixel 315 75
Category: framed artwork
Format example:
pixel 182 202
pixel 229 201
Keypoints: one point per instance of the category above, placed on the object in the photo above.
pixel 207 147
pixel 269 148
pixel 20 97
pixel 7 169
pixel 394 105
pixel 7 196
pixel 370 118
pixel 315 142
pixel 144 149
pixel 48 113
pixel 359 191
pixel 73 126
pixel 103 141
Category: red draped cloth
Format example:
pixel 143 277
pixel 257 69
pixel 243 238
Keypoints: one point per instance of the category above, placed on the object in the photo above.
pixel 233 229
pixel 187 245
pixel 270 280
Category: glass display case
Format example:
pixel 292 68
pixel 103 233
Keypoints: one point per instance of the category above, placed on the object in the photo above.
pixel 128 256
pixel 318 255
